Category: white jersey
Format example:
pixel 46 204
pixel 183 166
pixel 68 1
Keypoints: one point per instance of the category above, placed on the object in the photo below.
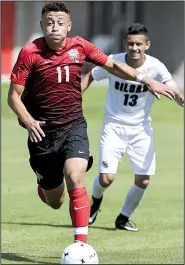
pixel 125 103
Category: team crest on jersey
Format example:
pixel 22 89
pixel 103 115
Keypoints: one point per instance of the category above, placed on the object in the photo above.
pixel 74 55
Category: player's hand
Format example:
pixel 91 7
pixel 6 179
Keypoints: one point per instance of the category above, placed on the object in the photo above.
pixel 180 99
pixel 157 88
pixel 35 131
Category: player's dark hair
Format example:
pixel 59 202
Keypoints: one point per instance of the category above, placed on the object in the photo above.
pixel 56 6
pixel 137 29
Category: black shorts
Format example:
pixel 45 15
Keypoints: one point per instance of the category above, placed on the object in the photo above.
pixel 47 157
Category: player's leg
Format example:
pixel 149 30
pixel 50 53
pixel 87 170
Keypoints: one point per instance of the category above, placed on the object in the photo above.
pixel 142 157
pixel 54 197
pixel 100 184
pixel 132 201
pixel 77 156
pixel 48 168
pixel 112 148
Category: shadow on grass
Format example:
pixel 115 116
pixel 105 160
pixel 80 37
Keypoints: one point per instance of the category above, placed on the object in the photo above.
pixel 37 224
pixel 17 257
pixel 59 225
pixel 102 228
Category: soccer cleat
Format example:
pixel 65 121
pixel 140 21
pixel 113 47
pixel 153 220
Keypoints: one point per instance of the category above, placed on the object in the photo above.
pixel 95 208
pixel 123 223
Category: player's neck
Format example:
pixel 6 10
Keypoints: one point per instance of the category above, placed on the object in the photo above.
pixel 135 63
pixel 56 46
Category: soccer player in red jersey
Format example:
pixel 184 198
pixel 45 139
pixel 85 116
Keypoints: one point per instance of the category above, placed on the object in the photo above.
pixel 45 94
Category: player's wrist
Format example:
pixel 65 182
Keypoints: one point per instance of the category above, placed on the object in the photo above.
pixel 28 120
pixel 140 78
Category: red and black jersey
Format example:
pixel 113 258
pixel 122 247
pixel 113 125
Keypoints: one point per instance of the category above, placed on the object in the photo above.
pixel 52 79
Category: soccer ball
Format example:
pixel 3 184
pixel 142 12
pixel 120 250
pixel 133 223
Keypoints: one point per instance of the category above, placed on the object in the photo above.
pixel 79 253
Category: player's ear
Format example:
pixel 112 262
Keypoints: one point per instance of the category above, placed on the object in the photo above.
pixel 69 26
pixel 148 43
pixel 41 25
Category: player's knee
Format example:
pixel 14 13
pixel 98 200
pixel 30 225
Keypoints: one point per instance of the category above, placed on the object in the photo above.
pixel 106 179
pixel 146 182
pixel 56 202
pixel 142 181
pixel 74 170
pixel 75 180
pixel 55 206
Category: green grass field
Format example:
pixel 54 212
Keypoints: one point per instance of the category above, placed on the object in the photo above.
pixel 32 233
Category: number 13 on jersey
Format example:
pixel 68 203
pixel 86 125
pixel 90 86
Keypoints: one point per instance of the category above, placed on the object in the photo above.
pixel 60 70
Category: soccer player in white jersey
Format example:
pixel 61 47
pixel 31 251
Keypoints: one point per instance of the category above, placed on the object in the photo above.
pixel 127 124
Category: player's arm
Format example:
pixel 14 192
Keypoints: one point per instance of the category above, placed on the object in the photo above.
pixel 97 74
pixel 179 97
pixel 16 104
pixel 164 76
pixel 18 78
pixel 86 81
pixel 124 71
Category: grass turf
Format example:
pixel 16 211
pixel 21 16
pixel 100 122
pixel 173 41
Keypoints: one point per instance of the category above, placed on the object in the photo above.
pixel 32 233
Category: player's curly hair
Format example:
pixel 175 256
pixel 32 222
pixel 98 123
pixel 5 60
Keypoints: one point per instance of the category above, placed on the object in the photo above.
pixel 56 6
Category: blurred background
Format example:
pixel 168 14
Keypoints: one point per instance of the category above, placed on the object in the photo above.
pixel 104 23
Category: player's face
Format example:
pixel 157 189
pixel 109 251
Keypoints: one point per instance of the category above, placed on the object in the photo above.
pixel 55 26
pixel 136 45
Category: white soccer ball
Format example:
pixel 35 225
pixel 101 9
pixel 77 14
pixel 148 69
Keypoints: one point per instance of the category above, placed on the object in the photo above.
pixel 79 253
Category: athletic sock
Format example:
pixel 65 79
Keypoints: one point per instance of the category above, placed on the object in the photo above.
pixel 98 190
pixel 79 208
pixel 123 217
pixel 133 199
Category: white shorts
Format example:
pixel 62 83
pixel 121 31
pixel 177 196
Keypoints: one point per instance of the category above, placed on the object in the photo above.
pixel 137 142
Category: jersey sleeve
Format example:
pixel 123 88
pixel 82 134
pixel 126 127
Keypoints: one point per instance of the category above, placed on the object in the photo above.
pixel 93 54
pixel 98 73
pixel 22 67
pixel 163 75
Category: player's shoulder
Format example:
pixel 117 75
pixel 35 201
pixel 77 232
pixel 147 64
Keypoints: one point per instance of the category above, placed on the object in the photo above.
pixel 118 56
pixel 33 47
pixel 153 60
pixel 76 40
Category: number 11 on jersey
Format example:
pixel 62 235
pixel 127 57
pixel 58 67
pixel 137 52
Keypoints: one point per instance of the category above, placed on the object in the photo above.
pixel 59 71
